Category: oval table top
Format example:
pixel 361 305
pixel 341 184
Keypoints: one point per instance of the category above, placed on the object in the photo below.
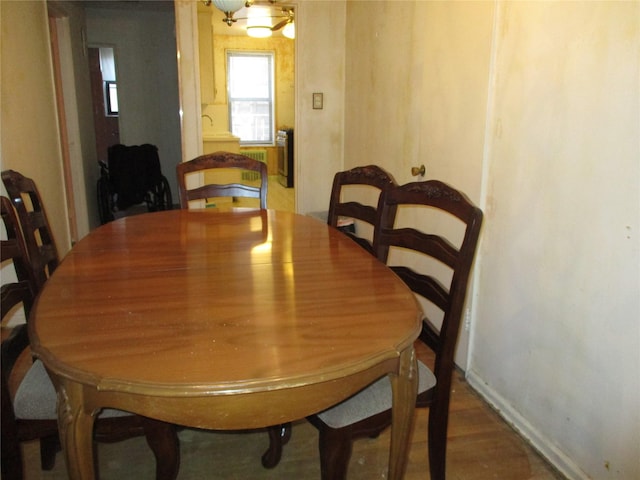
pixel 205 302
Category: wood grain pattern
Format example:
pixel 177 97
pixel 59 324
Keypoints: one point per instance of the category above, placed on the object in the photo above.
pixel 196 317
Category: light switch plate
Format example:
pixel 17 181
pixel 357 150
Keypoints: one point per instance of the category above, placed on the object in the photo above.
pixel 317 101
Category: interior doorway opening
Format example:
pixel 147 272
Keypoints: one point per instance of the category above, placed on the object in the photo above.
pixel 102 72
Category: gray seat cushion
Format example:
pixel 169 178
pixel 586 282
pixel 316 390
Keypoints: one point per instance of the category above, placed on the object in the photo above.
pixel 36 397
pixel 374 399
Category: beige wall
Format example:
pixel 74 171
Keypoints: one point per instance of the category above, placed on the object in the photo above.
pixel 418 95
pixel 320 67
pixel 29 138
pixel 532 108
pixel 557 335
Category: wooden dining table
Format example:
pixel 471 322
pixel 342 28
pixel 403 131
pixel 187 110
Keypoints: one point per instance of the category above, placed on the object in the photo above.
pixel 222 320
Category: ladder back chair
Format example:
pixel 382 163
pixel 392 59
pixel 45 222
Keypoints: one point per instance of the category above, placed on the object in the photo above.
pixel 29 409
pixel 369 412
pixel 278 435
pixel 342 203
pixel 41 247
pixel 368 176
pixel 233 186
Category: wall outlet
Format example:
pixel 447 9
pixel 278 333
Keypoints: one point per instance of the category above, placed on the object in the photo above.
pixel 467 319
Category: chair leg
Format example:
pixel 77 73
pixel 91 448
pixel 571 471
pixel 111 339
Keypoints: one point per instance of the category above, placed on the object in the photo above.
pixel 11 460
pixel 437 434
pixel 335 452
pixel 279 435
pixel 162 438
pixel 49 447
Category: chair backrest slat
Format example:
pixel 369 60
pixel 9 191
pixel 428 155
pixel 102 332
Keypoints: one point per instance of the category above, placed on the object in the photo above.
pixel 444 200
pixel 371 176
pixel 38 238
pixel 22 291
pixel 220 160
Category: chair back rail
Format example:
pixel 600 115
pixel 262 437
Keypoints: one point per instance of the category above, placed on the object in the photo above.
pixel 219 160
pixel 440 275
pixel 371 176
pixel 36 230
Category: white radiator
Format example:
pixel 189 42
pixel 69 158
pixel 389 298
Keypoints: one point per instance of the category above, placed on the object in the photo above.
pixel 261 156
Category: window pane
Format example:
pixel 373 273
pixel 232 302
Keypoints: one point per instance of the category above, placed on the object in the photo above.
pixel 250 91
pixel 250 77
pixel 251 120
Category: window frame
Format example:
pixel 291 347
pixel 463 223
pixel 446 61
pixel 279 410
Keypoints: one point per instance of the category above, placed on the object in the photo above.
pixel 271 56
pixel 108 105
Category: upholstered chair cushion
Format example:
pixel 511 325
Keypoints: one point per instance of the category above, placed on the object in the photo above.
pixel 36 397
pixel 374 399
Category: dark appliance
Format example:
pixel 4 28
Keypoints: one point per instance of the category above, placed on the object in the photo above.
pixel 284 142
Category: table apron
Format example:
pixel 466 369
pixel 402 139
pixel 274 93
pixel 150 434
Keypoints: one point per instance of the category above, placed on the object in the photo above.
pixel 229 411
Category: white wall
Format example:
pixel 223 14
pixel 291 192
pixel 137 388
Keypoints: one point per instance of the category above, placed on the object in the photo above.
pixel 418 95
pixel 533 109
pixel 557 332
pixel 146 63
pixel 319 134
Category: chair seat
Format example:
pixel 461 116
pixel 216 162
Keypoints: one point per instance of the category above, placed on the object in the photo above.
pixel 36 397
pixel 374 399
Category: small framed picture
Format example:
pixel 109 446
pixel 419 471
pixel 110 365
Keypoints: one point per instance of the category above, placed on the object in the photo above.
pixel 317 101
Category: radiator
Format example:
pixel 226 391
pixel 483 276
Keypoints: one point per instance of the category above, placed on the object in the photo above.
pixel 261 156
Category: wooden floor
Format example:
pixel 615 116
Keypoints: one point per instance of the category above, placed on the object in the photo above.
pixel 278 197
pixel 480 446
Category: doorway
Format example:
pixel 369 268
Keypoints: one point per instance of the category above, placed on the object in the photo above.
pixel 224 40
pixel 105 119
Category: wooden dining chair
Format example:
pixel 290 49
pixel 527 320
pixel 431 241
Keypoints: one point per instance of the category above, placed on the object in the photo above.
pixel 370 181
pixel 374 181
pixel 28 395
pixel 369 412
pixel 278 435
pixel 227 185
pixel 38 237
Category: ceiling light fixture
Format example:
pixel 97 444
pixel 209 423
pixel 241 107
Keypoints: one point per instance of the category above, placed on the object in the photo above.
pixel 257 26
pixel 258 31
pixel 259 22
pixel 289 30
pixel 228 7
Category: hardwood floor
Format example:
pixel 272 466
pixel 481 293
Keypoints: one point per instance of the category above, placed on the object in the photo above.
pixel 278 197
pixel 481 446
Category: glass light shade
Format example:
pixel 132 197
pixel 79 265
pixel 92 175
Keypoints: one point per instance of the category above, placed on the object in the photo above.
pixel 258 31
pixel 289 30
pixel 259 23
pixel 229 5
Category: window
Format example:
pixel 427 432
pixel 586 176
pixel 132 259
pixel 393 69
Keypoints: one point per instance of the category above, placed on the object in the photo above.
pixel 250 95
pixel 111 98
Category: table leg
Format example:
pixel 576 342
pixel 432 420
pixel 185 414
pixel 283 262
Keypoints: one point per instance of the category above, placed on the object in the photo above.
pixel 75 427
pixel 405 389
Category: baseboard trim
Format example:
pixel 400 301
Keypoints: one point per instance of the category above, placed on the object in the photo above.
pixel 523 427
